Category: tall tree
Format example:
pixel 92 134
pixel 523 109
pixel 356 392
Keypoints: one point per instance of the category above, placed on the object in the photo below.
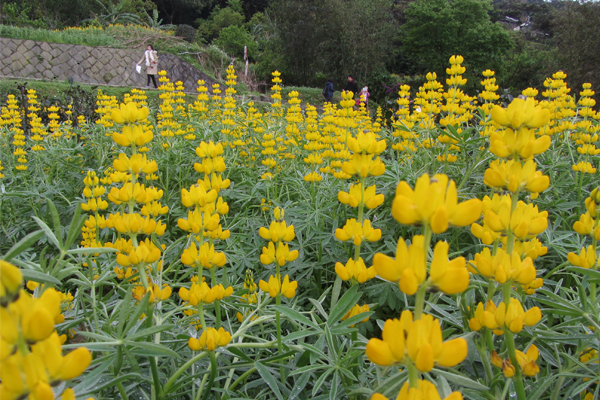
pixel 576 30
pixel 437 29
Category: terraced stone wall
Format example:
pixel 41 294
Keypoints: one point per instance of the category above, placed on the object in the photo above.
pixel 85 64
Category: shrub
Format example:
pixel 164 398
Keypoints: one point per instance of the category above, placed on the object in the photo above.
pixel 188 33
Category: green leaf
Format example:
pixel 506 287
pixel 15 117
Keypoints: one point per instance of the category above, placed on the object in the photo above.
pixel 92 250
pixel 141 308
pixel 149 331
pixel 300 334
pixel 75 227
pixel 321 380
pixel 41 277
pixel 460 380
pixel 51 237
pixel 56 223
pixel 156 349
pixel 269 379
pixel 22 245
pixel 592 273
pixel 346 302
pixel 299 386
pixel 294 315
pixel 123 313
pixel 354 320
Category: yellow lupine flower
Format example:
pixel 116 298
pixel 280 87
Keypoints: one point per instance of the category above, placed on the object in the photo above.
pixel 524 221
pixel 451 277
pixel 133 135
pixel 408 268
pixel 355 311
pixel 198 195
pixel 363 165
pixel 354 196
pixel 205 256
pixel 136 164
pixel 281 254
pixel 275 286
pixel 11 281
pixel 420 340
pixel 129 113
pixel 433 202
pixel 502 266
pixel 586 258
pixel 203 293
pixel 521 113
pixel 424 391
pixel 356 270
pixel 210 339
pixel 145 252
pixel 357 232
pixel 198 221
pixel 278 231
pixel 514 176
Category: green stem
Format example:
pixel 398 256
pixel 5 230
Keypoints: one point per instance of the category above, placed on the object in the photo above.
pixel 420 301
pixel 213 373
pixel 279 344
pixel 213 279
pixel 242 377
pixel 413 375
pixel 201 315
pixel 180 371
pixel 512 354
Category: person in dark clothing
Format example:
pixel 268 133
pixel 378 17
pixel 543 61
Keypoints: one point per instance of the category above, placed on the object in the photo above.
pixel 328 91
pixel 351 85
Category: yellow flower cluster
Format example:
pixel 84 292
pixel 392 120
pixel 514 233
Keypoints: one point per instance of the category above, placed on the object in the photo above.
pixel 278 252
pixel 31 357
pixel 588 226
pixel 417 342
pixel 142 255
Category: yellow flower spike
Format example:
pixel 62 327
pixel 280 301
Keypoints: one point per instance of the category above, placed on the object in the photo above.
pixel 586 259
pixel 356 270
pixel 527 361
pixel 278 231
pixel 281 254
pixel 136 164
pixel 210 339
pixel 585 225
pixel 366 143
pixel 275 286
pixel 363 165
pixel 68 394
pixel 451 277
pixel 357 232
pixel 205 256
pixel 162 293
pixel 434 202
pixel 11 281
pixel 521 113
pixel 355 310
pixel 408 268
pixel 75 363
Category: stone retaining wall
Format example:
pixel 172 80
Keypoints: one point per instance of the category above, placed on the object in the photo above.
pixel 91 65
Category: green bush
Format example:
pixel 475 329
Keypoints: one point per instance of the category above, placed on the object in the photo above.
pixel 233 39
pixel 188 33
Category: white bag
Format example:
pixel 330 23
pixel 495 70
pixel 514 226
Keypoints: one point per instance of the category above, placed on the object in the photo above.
pixel 138 68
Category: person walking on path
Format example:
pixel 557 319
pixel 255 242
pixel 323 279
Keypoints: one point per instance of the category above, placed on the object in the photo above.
pixel 151 58
pixel 328 91
pixel 351 85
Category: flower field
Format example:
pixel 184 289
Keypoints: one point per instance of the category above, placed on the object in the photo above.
pixel 208 248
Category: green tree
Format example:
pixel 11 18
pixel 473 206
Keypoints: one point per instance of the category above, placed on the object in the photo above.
pixel 437 29
pixel 333 37
pixel 219 19
pixel 233 39
pixel 576 30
